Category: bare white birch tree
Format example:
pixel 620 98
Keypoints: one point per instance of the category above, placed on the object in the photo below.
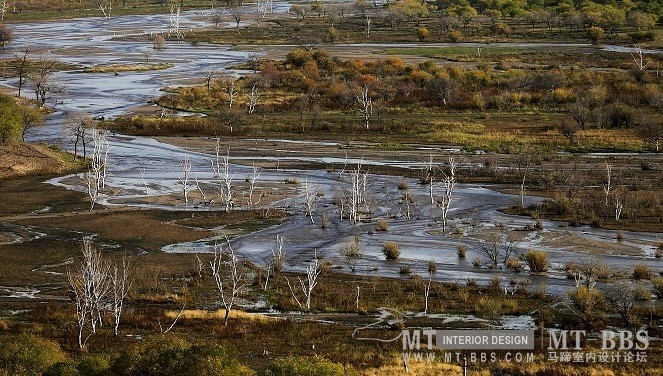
pixel 432 267
pixel 96 175
pixel 231 91
pixel 90 286
pixel 448 183
pixel 221 167
pixel 639 59
pixel 119 288
pixel 310 200
pixel 365 105
pixel 255 174
pixel 252 101
pixel 278 256
pixel 607 187
pixel 307 286
pixel 230 276
pixel 106 9
pixel 174 27
pixel 185 166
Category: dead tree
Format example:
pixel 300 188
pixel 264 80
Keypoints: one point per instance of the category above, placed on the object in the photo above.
pixel 448 183
pixel 185 166
pixel 230 276
pixel 119 288
pixel 252 101
pixel 231 91
pixel 237 15
pixel 498 247
pixel 252 184
pixel 432 267
pixel 96 176
pixel 90 286
pixel 307 286
pixel 607 187
pixel 42 83
pixel 106 9
pixel 221 168
pixel 22 66
pixel 350 254
pixel 639 59
pixel 365 105
pixel 278 256
pixel 310 200
pixel 174 27
pixel 208 79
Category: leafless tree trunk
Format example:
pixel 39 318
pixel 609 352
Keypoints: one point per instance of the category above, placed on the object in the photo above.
pixel 96 176
pixel 310 200
pixel 427 291
pixel 639 59
pixel 106 9
pixel 174 26
pixel 120 288
pixel 41 80
pixel 237 14
pixel 22 65
pixel 90 286
pixel 449 183
pixel 231 91
pixel 147 189
pixel 252 100
pixel 307 286
pixel 278 256
pixel 233 282
pixel 350 254
pixel 498 247
pixel 607 187
pixel 365 106
pixel 208 79
pixel 252 184
pixel 185 166
pixel 619 206
pixel 221 168
pixel 368 26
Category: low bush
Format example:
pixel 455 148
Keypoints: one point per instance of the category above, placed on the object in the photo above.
pixel 28 355
pixel 658 287
pixel 462 250
pixel 537 261
pixel 391 251
pixel 383 225
pixel 303 366
pixel 641 271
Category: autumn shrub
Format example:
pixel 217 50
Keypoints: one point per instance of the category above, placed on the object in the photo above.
pixel 383 225
pixel 658 287
pixel 537 261
pixel 28 355
pixel 173 356
pixel 462 250
pixel 514 264
pixel 641 271
pixel 422 33
pixel 454 36
pixel 391 251
pixel 303 366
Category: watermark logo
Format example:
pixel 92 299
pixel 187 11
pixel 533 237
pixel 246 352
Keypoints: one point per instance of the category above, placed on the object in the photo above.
pixel 621 346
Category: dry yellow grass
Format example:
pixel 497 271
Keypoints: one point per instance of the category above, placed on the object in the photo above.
pixel 219 314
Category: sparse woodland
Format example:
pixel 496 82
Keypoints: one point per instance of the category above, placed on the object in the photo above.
pixel 523 117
